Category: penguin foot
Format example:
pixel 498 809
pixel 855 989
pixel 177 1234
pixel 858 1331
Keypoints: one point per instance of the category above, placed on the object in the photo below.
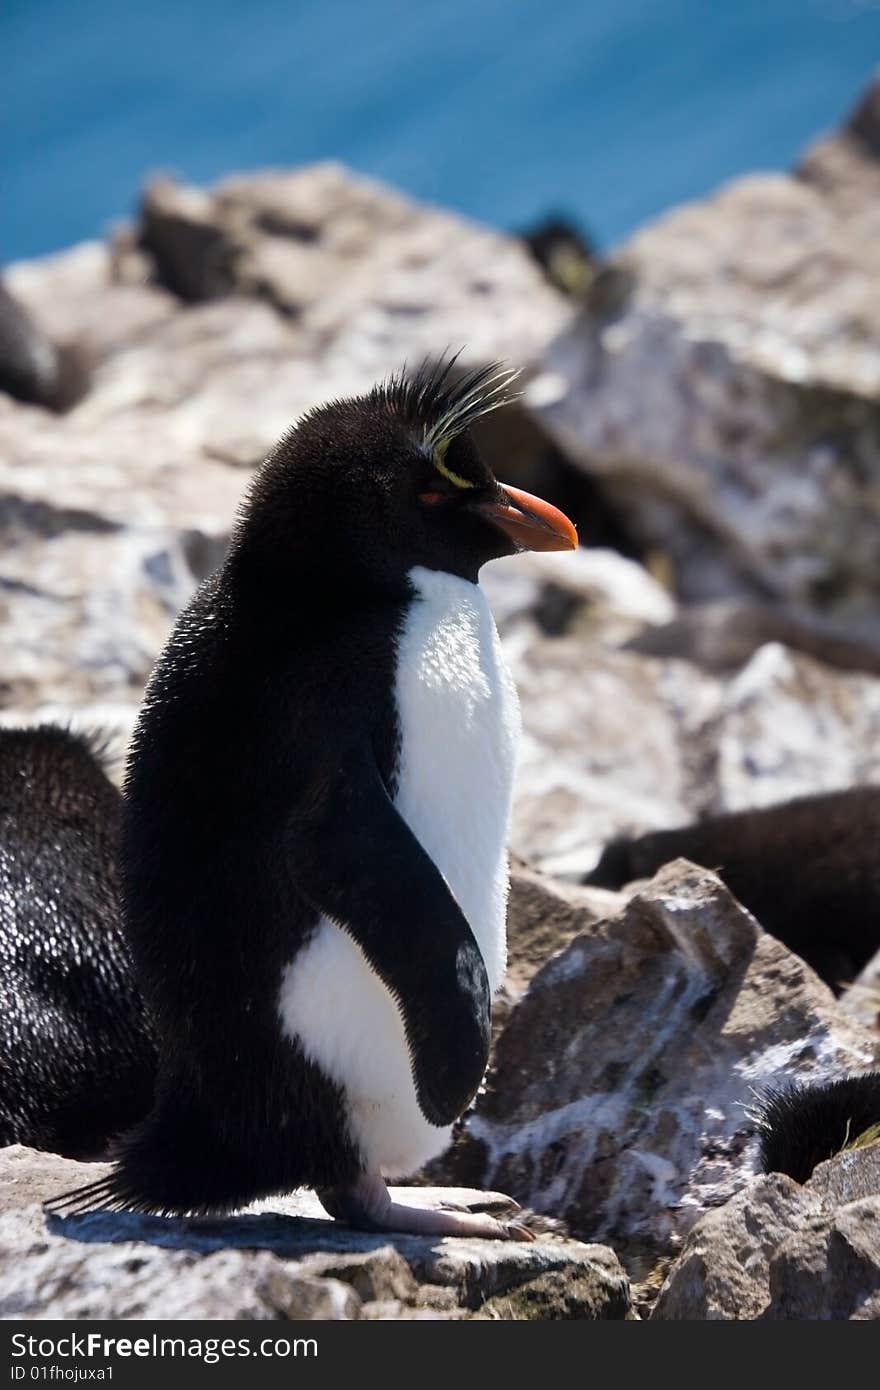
pixel 510 1206
pixel 367 1206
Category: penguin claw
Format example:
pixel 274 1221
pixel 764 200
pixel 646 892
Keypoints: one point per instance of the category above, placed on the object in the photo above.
pixel 367 1206
pixel 515 1230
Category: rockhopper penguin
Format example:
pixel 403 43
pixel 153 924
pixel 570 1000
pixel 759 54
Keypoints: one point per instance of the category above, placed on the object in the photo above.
pixel 317 800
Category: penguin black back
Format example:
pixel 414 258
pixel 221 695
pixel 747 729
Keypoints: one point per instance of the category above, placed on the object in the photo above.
pixel 808 869
pixel 76 1060
pixel 804 1125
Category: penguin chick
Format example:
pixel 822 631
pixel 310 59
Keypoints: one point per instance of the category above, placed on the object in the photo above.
pixel 806 1124
pixel 317 803
pixel 76 1060
pixel 807 869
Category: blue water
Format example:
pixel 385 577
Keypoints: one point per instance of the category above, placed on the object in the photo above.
pixel 503 109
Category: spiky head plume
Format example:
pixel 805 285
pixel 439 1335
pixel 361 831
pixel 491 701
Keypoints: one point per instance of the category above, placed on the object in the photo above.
pixel 439 406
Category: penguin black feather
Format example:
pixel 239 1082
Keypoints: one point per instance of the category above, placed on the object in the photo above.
pixel 76 1058
pixel 803 1125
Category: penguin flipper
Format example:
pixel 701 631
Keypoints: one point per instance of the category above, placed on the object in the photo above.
pixel 382 888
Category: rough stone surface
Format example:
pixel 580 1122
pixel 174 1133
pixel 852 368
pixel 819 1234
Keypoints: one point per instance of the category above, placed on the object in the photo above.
pixel 731 399
pixel 618 742
pixel 620 1090
pixel 281 1258
pixel 724 1269
pixel 862 1000
pixel 44 1276
pixel 830 1269
pixel 781 1251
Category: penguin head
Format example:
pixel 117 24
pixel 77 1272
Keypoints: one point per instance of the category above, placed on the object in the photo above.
pixel 378 484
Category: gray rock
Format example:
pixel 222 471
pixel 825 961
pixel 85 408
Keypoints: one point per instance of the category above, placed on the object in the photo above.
pixel 830 1268
pixel 723 1271
pixel 848 1176
pixel 617 742
pixel 862 1000
pixel 781 1251
pixel 583 1296
pixel 619 1094
pixel 723 636
pixel 731 401
pixel 45 1276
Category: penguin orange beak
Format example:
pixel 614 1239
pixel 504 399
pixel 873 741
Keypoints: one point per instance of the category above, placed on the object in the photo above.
pixel 529 521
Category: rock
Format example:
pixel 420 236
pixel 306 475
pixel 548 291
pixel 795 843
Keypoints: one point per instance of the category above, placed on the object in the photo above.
pixel 862 1000
pixel 778 1250
pixel 282 1258
pixel 45 1277
pixel 599 592
pixel 587 1295
pixel 75 295
pixel 31 1176
pixel 723 636
pixel 32 367
pixel 845 166
pixel 610 740
pixel 848 1176
pixel 789 726
pixel 831 1269
pixel 543 917
pixel 616 742
pixel 722 404
pixel 731 401
pixel 723 1270
pixel 619 1093
pixel 351 262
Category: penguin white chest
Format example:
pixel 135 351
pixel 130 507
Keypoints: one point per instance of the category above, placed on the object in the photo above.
pixel 458 720
pixel 459 729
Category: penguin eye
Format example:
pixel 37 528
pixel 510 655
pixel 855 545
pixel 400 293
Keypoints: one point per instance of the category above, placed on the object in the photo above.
pixel 433 499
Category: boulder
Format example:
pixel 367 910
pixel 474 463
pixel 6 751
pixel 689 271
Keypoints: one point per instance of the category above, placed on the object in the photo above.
pixel 730 399
pixel 779 1250
pixel 619 1094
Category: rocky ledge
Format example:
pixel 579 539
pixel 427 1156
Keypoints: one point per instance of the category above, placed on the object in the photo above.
pixel 279 1259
